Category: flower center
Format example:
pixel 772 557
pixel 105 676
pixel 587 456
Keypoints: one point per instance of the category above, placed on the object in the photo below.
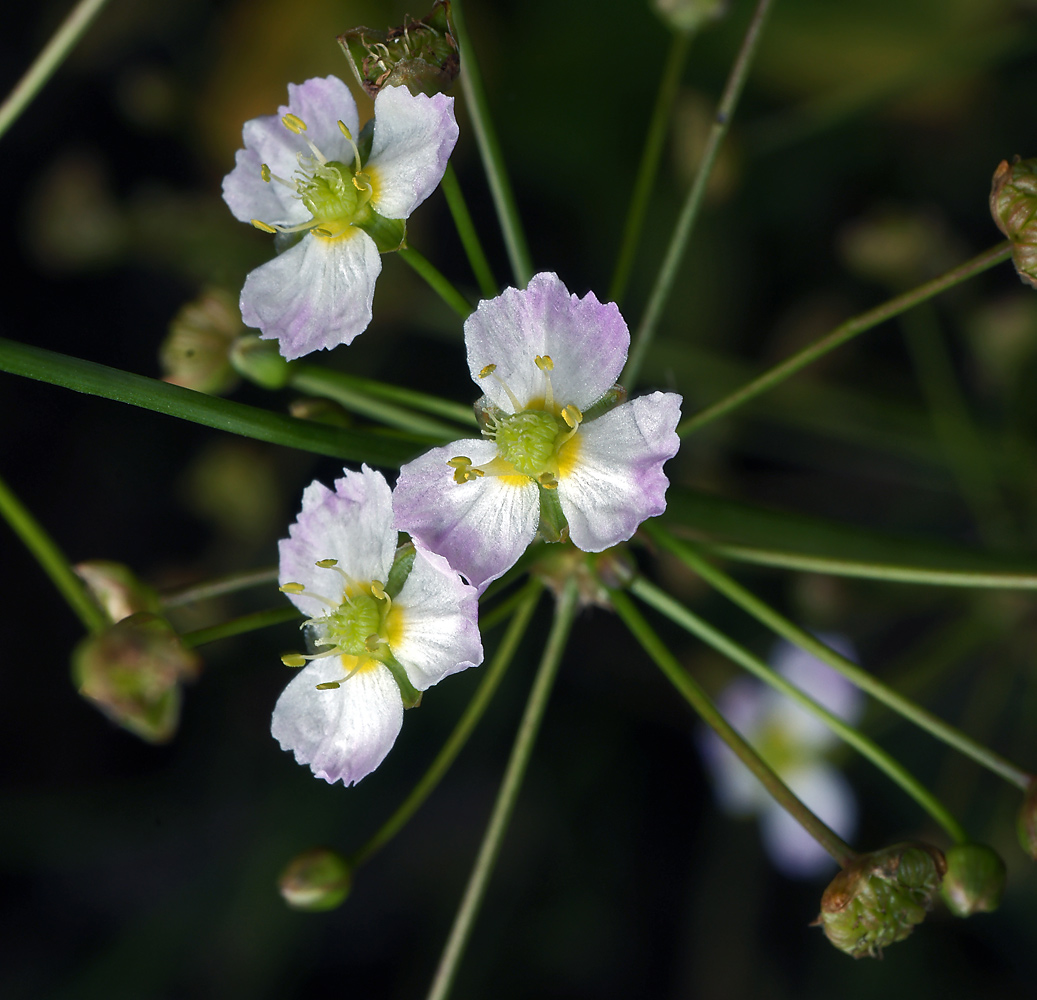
pixel 527 441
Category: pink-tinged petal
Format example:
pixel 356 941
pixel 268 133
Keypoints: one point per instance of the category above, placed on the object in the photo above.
pixel 440 622
pixel 617 480
pixel 586 339
pixel 321 104
pixel 481 526
pixel 353 524
pixel 414 135
pixel 344 733
pixel 825 792
pixel 316 295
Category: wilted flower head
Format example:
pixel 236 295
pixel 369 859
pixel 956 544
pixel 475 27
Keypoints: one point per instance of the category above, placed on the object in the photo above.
pixel 316 880
pixel 557 453
pixel 303 171
pixel 1013 205
pixel 974 881
pixel 793 742
pixel 387 624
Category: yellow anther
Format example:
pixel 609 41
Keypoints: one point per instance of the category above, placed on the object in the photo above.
pixel 263 226
pixel 293 660
pixel 328 686
pixel 460 462
pixel 345 131
pixel 291 588
pixel 488 370
pixel 548 481
pixel 373 641
pixel 326 563
pixel 544 362
pixel 378 592
pixel 362 182
pixel 293 123
pixel 572 416
pixel 264 172
pixel 321 231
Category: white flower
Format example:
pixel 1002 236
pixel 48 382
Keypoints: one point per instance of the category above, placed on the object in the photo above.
pixel 544 358
pixel 379 638
pixel 301 172
pixel 793 742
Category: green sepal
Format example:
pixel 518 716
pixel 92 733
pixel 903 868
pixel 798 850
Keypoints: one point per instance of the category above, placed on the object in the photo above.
pixel 401 567
pixel 365 140
pixel 609 401
pixel 408 692
pixel 553 526
pixel 389 235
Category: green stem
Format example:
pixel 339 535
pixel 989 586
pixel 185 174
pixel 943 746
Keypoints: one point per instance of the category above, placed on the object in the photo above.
pixel 565 612
pixel 675 61
pixel 689 213
pixel 490 152
pixel 315 380
pixel 47 62
pixel 437 281
pixel 238 626
pixel 52 560
pixel 491 679
pixel 223 414
pixel 845 332
pixel 861 678
pixel 229 584
pixel 891 767
pixel 708 712
pixel 469 237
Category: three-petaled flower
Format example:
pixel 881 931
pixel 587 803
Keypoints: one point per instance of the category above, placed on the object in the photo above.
pixel 553 451
pixel 386 623
pixel 302 171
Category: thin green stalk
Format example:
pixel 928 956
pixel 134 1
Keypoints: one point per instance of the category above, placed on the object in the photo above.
pixel 330 384
pixel 708 712
pixel 466 231
pixel 223 414
pixel 861 678
pixel 490 152
pixel 47 62
pixel 437 281
pixel 238 626
pixel 891 767
pixel 657 128
pixel 845 332
pixel 52 560
pixel 565 612
pixel 491 679
pixel 229 584
pixel 689 213
pixel 503 610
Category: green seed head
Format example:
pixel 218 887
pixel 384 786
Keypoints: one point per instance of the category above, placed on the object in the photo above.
pixel 527 441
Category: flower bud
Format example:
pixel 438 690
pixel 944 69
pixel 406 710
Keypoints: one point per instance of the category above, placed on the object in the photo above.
pixel 259 361
pixel 878 899
pixel 132 672
pixel 196 351
pixel 975 879
pixel 323 411
pixel 690 15
pixel 114 587
pixel 1013 204
pixel 419 55
pixel 1026 824
pixel 318 879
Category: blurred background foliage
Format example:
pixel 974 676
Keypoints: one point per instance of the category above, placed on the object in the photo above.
pixel 859 164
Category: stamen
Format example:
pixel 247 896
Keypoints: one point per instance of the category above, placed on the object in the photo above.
pixel 373 641
pixel 544 362
pixel 572 416
pixel 293 123
pixel 328 686
pixel 356 152
pixel 546 365
pixel 293 660
pixel 265 227
pixel 548 481
pixel 326 563
pixel 464 470
pixel 291 588
pixel 321 231
pixel 379 594
pixel 487 372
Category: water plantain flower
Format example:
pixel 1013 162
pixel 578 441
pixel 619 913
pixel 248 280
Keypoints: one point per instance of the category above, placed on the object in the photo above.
pixel 557 454
pixel 304 172
pixel 386 624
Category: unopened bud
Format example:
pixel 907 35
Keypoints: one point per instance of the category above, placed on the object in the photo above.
pixel 690 15
pixel 1013 204
pixel 133 672
pixel 419 55
pixel 324 411
pixel 318 879
pixel 1026 824
pixel 196 351
pixel 975 879
pixel 878 899
pixel 114 587
pixel 258 361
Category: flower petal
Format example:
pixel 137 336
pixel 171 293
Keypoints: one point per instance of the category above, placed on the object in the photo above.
pixel 825 792
pixel 440 622
pixel 414 135
pixel 617 480
pixel 344 733
pixel 353 524
pixel 481 526
pixel 316 295
pixel 586 339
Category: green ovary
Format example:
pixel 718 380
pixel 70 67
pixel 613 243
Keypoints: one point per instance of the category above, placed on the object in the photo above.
pixel 332 198
pixel 356 619
pixel 527 441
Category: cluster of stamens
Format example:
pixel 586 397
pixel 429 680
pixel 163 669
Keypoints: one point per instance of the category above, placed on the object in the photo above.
pixel 529 439
pixel 341 629
pixel 334 194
